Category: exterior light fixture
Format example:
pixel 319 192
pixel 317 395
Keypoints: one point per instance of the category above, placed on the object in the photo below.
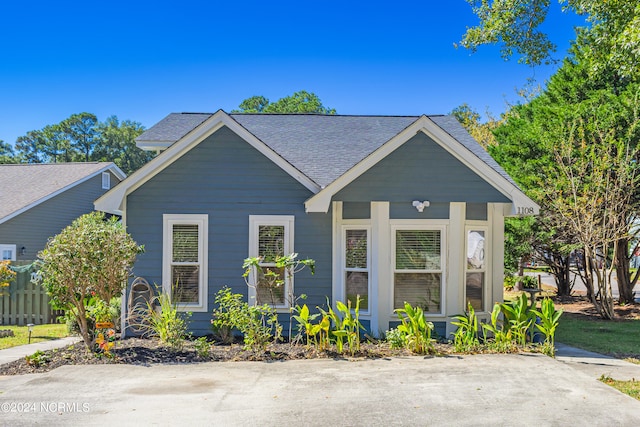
pixel 420 205
pixel 30 328
pixel 23 251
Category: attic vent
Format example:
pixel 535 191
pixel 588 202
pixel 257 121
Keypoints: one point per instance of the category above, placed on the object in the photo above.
pixel 106 180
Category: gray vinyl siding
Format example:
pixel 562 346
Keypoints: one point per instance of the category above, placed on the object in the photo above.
pixel 33 228
pixel 227 179
pixel 420 170
pixel 476 211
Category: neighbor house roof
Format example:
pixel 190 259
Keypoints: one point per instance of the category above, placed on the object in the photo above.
pixel 23 186
pixel 323 152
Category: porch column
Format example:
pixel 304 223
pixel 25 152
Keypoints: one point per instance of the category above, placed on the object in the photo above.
pixel 381 280
pixel 336 290
pixel 495 212
pixel 457 257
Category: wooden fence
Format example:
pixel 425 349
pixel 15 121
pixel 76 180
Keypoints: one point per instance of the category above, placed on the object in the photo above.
pixel 25 302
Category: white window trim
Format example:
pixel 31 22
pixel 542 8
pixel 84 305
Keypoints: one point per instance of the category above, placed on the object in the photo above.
pixel 202 220
pixel 478 226
pixel 106 181
pixel 12 248
pixel 428 226
pixel 343 266
pixel 288 222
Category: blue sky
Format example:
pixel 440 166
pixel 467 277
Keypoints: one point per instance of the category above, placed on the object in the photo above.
pixel 141 60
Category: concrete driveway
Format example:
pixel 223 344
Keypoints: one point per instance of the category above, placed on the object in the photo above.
pixel 508 390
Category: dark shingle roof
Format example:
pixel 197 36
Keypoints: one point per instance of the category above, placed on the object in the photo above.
pixel 323 147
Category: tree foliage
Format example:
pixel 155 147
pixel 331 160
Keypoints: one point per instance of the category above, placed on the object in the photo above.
pixel 82 138
pixel 7 154
pixel 301 102
pixel 91 258
pixel 610 41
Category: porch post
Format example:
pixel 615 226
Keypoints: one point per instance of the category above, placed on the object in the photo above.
pixel 381 281
pixel 496 228
pixel 457 257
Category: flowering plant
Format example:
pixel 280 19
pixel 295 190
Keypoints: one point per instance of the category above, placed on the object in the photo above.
pixel 105 341
pixel 6 275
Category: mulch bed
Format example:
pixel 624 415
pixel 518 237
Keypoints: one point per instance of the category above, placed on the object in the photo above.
pixel 137 351
pixel 148 351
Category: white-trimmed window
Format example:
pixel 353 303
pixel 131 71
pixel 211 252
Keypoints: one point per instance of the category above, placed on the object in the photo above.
pixel 106 180
pixel 185 255
pixel 476 268
pixel 7 252
pixel 356 275
pixel 270 237
pixel 418 263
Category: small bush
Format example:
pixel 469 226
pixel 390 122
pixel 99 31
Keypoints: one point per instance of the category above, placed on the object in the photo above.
pixel 258 324
pixel 396 339
pixel 203 347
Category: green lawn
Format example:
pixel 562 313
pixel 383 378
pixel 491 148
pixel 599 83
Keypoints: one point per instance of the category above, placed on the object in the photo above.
pixel 40 333
pixel 619 338
pixel 632 388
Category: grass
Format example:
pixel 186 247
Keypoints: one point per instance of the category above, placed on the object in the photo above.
pixel 618 338
pixel 39 333
pixel 632 388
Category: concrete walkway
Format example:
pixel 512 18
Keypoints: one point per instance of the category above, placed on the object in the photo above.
pixel 476 390
pixel 523 389
pixel 596 364
pixel 14 353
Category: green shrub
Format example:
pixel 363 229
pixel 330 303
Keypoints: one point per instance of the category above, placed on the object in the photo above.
pixel 203 347
pixel 258 324
pixel 396 339
pixel 90 258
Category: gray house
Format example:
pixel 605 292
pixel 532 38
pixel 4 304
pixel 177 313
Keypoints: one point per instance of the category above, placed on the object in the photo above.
pixel 392 209
pixel 38 200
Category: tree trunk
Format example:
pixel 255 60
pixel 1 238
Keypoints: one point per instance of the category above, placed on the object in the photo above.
pixel 625 281
pixel 560 268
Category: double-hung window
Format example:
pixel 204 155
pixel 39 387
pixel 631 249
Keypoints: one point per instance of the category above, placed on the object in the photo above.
pixel 270 237
pixel 7 252
pixel 357 265
pixel 184 275
pixel 418 268
pixel 476 268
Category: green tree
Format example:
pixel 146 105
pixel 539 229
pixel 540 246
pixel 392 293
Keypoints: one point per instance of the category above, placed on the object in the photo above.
pixel 30 147
pixel 592 189
pixel 300 102
pixel 117 144
pixel 255 104
pixel 81 131
pixel 7 155
pixel 91 258
pixel 611 41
